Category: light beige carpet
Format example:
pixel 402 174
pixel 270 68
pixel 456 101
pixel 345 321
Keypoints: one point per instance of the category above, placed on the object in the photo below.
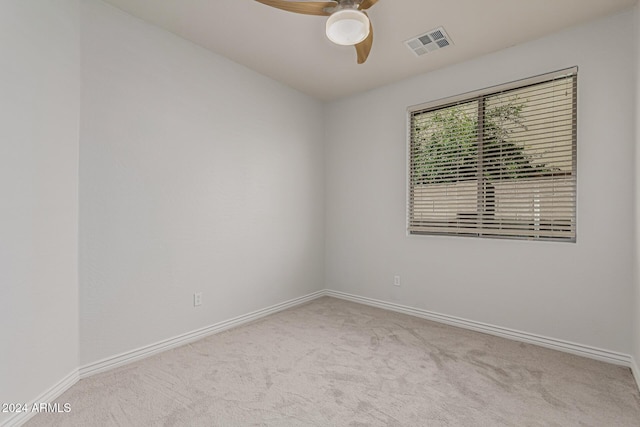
pixel 336 363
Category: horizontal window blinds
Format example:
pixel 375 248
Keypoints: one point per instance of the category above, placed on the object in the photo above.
pixel 497 164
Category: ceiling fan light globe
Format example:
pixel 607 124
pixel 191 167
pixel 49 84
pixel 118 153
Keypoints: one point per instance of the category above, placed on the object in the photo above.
pixel 347 27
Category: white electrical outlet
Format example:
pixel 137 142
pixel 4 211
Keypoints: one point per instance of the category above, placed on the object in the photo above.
pixel 197 299
pixel 396 280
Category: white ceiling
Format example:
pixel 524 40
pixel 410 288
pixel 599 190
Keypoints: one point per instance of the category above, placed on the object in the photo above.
pixel 293 48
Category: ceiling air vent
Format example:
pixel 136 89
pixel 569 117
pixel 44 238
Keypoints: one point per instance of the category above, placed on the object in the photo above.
pixel 429 41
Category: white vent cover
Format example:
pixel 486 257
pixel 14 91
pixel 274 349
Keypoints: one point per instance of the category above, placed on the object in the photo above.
pixel 429 41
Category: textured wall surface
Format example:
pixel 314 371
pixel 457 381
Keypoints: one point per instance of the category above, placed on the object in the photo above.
pixel 196 175
pixel 576 292
pixel 39 110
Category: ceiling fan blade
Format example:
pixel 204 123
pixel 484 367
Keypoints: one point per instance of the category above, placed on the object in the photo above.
pixel 307 7
pixel 366 4
pixel 364 47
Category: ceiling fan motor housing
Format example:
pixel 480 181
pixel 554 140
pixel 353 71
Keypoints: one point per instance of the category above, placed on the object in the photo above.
pixel 348 23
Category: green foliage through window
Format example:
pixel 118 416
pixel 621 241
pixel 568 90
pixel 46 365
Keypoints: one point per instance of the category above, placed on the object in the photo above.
pixel 447 142
pixel 498 164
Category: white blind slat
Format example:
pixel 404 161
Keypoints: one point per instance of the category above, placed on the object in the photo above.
pixel 501 163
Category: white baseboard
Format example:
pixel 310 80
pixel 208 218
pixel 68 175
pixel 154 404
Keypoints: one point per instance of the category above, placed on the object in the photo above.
pixel 149 350
pixel 48 396
pixel 131 356
pixel 635 371
pixel 556 344
pixel 122 359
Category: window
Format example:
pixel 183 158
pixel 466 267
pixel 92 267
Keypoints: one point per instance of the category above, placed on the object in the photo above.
pixel 497 163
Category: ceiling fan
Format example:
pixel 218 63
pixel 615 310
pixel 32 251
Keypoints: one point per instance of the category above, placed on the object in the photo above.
pixel 348 23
